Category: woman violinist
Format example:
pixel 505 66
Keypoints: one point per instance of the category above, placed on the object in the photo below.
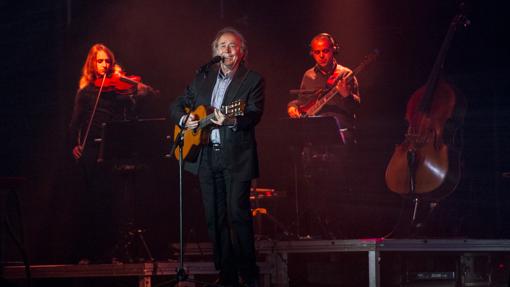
pixel 105 94
pixel 117 100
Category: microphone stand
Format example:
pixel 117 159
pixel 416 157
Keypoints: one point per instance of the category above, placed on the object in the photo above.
pixel 181 274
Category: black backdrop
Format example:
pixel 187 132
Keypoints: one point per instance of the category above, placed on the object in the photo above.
pixel 44 45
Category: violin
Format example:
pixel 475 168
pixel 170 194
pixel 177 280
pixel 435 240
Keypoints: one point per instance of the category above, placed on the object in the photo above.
pixel 118 82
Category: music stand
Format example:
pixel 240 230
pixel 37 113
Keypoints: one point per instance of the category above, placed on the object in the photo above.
pixel 129 146
pixel 302 132
pixel 134 141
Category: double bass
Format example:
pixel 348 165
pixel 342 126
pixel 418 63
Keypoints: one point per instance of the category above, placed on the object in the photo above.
pixel 425 164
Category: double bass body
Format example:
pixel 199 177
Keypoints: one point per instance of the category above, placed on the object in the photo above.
pixel 424 163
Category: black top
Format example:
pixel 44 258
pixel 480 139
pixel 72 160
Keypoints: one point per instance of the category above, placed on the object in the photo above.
pixel 112 106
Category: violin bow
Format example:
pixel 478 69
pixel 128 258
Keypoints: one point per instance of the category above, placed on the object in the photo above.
pixel 93 113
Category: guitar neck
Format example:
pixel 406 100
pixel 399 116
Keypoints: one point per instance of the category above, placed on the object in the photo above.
pixel 234 109
pixel 205 121
pixel 330 94
pixel 321 102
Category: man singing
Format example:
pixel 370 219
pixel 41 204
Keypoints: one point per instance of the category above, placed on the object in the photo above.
pixel 227 164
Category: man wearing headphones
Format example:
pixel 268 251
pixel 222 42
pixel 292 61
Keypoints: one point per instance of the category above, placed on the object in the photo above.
pixel 326 167
pixel 322 78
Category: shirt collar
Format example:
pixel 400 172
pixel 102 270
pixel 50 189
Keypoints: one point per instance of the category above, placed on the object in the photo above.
pixel 319 70
pixel 230 75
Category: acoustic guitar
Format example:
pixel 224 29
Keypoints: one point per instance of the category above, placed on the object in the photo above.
pixel 194 138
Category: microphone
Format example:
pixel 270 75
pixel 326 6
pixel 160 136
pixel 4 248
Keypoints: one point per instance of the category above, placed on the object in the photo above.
pixel 215 59
pixel 205 68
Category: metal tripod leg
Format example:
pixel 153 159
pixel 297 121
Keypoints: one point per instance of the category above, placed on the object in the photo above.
pixel 139 233
pixel 411 163
pixel 415 209
pixel 262 211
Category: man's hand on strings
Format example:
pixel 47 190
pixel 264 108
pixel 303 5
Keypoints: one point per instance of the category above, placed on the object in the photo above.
pixel 221 119
pixel 344 88
pixel 191 122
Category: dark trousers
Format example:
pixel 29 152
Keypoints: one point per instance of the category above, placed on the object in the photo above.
pixel 228 213
pixel 94 239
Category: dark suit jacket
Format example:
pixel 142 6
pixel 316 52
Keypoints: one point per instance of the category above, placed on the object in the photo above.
pixel 239 143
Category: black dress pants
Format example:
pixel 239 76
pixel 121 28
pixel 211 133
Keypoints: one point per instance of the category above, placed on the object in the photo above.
pixel 228 214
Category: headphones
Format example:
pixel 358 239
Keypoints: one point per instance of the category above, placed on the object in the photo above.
pixel 336 48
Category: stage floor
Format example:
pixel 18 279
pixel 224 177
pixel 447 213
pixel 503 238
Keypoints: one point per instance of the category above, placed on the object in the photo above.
pixel 275 257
